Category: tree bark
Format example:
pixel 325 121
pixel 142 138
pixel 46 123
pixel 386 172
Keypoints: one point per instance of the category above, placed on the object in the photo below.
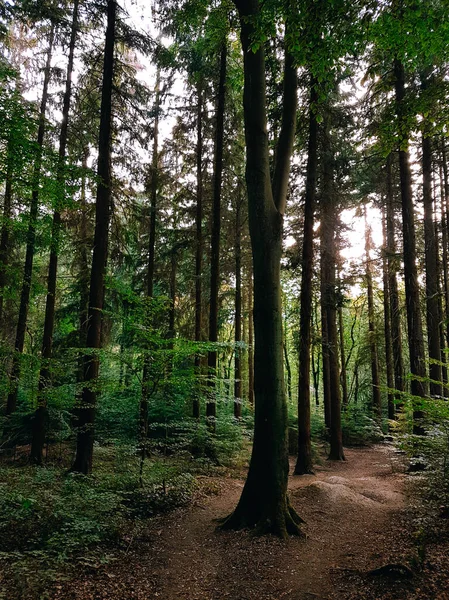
pixel 11 403
pixel 415 333
pixel 86 411
pixel 41 413
pixel 304 459
pixel 263 504
pixel 211 406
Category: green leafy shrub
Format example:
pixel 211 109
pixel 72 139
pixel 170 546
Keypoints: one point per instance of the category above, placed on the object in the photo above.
pixel 358 428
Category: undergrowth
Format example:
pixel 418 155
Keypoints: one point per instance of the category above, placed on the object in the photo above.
pixel 53 522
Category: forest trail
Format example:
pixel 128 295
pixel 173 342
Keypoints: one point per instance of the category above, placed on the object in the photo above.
pixel 350 509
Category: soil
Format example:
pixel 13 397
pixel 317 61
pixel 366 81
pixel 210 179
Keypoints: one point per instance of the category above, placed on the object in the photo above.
pixel 357 520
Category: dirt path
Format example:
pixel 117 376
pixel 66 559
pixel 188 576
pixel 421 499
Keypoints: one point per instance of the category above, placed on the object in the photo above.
pixel 348 507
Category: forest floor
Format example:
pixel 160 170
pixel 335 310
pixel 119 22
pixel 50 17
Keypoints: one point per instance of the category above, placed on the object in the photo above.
pixel 357 519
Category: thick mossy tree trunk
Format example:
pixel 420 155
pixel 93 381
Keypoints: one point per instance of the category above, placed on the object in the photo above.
pixel 211 406
pixel 41 413
pixel 393 261
pixel 304 458
pixel 418 385
pixel 11 402
pixel 199 243
pixel 432 270
pixel 376 401
pixel 91 363
pixel 263 504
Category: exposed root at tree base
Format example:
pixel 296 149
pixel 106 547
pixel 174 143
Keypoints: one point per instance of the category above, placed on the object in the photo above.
pixel 285 524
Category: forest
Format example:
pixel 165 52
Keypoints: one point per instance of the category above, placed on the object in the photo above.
pixel 224 299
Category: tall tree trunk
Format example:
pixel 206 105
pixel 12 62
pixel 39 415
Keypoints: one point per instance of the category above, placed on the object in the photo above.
pixel 86 411
pixel 84 271
pixel 389 361
pixel 316 365
pixel 198 245
pixel 304 458
pixel 324 334
pixel 343 374
pixel 211 406
pixel 263 503
pixel 444 185
pixel 395 310
pixel 154 183
pixel 250 339
pixel 238 310
pixel 328 300
pixel 444 265
pixel 287 367
pixel 415 333
pixel 431 262
pixel 11 403
pixel 171 316
pixel 5 231
pixel 376 402
pixel 40 415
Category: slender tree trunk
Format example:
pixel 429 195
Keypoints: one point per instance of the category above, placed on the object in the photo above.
pixel 211 407
pixel 238 311
pixel 415 333
pixel 389 360
pixel 329 256
pixel 444 270
pixel 198 246
pixel 431 262
pixel 343 374
pixel 376 402
pixel 84 271
pixel 324 337
pixel 250 340
pixel 316 365
pixel 41 414
pixel 154 184
pixel 444 184
pixel 5 231
pixel 395 310
pixel 86 411
pixel 444 374
pixel 31 239
pixel 287 368
pixel 173 270
pixel 304 458
pixel 263 503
